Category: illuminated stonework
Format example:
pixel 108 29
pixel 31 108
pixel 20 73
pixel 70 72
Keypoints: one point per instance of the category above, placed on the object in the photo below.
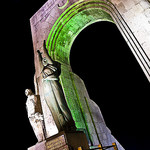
pixel 59 22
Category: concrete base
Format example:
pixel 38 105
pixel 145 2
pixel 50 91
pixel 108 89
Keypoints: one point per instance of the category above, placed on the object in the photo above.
pixel 62 140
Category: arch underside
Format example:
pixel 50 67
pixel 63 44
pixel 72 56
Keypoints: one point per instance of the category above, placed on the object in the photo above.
pixel 71 23
pixel 85 112
pixel 83 13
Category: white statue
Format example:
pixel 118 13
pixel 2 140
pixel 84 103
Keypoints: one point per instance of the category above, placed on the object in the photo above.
pixel 35 116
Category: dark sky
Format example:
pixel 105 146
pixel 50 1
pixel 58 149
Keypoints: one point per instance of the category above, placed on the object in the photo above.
pixel 99 56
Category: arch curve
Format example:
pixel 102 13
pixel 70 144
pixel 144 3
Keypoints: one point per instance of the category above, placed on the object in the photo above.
pixel 60 39
pixel 60 27
pixel 74 19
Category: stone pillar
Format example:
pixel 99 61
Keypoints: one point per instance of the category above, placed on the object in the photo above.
pixel 136 14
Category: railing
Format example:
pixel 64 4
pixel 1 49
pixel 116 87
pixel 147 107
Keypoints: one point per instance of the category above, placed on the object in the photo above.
pixel 100 147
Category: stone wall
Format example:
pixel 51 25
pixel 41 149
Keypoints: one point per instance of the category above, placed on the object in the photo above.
pixel 136 14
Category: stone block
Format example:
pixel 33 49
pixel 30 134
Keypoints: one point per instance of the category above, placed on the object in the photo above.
pixel 147 13
pixel 91 128
pixel 122 7
pixel 138 22
pixel 105 143
pixel 144 5
pixel 95 141
pixel 87 117
pixel 116 2
pixel 128 4
pixel 137 9
pixel 62 140
pixel 104 136
pixel 146 46
pixel 100 127
pixel 141 34
pixel 129 15
pixel 137 1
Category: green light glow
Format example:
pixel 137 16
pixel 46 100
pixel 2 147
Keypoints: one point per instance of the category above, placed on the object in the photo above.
pixel 70 23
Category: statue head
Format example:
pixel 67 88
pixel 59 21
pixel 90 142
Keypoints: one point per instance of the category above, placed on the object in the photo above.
pixel 28 92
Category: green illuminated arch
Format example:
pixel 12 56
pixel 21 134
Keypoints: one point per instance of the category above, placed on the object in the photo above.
pixel 71 22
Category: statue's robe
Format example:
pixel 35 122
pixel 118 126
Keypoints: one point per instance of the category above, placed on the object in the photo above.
pixel 55 98
pixel 53 93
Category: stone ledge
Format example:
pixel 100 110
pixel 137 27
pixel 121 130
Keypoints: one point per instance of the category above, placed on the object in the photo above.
pixel 62 141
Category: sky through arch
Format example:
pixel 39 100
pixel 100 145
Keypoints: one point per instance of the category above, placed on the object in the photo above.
pixel 113 79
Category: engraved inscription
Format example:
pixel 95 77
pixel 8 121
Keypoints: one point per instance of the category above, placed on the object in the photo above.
pixel 56 143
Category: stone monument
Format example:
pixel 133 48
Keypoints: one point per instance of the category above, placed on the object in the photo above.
pixel 68 118
pixel 35 116
pixel 68 137
pixel 53 94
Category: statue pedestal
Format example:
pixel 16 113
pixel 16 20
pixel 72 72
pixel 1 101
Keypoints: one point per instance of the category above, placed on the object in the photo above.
pixel 63 141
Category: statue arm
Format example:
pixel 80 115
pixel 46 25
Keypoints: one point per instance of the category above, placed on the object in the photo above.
pixel 48 58
pixel 40 60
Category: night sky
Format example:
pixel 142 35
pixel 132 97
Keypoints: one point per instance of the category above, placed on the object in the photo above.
pixel 99 55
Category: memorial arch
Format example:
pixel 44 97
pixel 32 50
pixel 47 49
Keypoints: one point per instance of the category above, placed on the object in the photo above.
pixel 59 22
pixel 71 23
pixel 83 13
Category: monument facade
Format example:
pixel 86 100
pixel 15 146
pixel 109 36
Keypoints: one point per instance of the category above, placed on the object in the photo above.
pixel 67 110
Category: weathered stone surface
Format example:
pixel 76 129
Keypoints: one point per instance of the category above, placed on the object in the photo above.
pixel 137 16
pixel 61 141
pixel 38 146
pixel 85 112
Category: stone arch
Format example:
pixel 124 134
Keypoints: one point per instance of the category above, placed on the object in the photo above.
pixel 83 13
pixel 60 25
pixel 72 21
